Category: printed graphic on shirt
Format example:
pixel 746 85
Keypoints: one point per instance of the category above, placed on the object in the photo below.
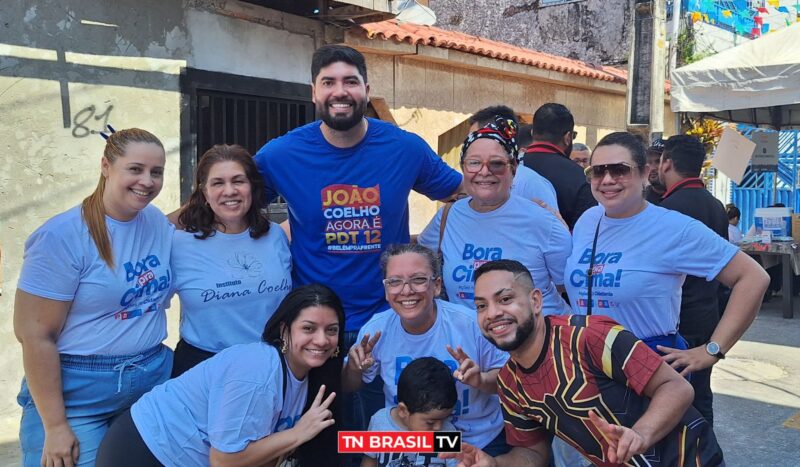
pixel 472 257
pixel 604 275
pixel 463 391
pixel 352 218
pixel 242 268
pixel 146 290
pixel 244 264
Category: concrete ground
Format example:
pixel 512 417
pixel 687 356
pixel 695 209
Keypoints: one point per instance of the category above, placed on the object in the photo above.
pixel 756 405
pixel 757 393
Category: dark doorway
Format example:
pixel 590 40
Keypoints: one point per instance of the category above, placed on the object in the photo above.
pixel 220 108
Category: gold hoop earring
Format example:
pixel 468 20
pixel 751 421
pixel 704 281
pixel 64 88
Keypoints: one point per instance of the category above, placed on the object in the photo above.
pixel 284 346
pixel 335 353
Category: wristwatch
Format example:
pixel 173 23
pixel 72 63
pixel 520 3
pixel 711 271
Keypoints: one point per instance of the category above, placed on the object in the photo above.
pixel 712 348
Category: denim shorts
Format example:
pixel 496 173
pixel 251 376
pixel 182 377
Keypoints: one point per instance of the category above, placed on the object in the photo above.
pixel 96 388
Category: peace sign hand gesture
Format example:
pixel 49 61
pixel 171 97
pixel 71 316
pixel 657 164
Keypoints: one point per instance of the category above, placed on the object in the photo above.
pixel 624 442
pixel 360 356
pixel 317 418
pixel 468 371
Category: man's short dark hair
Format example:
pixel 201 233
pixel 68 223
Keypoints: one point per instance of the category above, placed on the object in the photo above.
pixel 524 138
pixel 487 115
pixel 328 54
pixel 510 265
pixel 427 384
pixel 551 122
pixel 686 153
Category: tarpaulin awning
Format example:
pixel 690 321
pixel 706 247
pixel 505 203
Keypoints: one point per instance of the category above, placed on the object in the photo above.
pixel 757 82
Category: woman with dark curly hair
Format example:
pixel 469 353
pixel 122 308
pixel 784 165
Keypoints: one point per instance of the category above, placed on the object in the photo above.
pixel 232 266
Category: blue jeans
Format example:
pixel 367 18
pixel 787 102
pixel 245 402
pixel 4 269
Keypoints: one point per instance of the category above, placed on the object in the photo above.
pixel 96 388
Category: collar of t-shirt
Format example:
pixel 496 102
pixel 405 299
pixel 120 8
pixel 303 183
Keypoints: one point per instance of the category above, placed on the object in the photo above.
pixel 545 147
pixel 691 182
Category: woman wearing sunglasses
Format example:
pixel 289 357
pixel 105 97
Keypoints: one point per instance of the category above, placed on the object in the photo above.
pixel 492 224
pixel 630 258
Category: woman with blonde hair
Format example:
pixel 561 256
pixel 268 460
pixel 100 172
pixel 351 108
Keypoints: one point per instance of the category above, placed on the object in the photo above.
pixel 89 309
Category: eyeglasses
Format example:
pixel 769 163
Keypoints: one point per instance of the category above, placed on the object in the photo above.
pixel 618 170
pixel 574 133
pixel 416 283
pixel 495 166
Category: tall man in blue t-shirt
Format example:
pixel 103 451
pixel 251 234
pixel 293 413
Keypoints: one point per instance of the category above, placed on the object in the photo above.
pixel 346 180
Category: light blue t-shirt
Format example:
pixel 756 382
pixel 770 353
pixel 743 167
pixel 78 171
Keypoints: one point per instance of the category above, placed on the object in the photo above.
pixel 529 184
pixel 225 402
pixel 477 413
pixel 640 265
pixel 229 285
pixel 382 421
pixel 113 312
pixel 519 229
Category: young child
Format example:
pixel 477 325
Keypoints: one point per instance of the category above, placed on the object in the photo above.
pixel 426 396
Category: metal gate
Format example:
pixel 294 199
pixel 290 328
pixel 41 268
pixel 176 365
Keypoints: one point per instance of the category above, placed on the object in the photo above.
pixel 250 121
pixel 759 190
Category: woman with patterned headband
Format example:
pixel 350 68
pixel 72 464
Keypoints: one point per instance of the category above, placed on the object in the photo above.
pixel 491 223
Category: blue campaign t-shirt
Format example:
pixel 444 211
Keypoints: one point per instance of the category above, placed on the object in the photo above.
pixel 477 413
pixel 529 184
pixel 229 285
pixel 519 229
pixel 347 205
pixel 117 311
pixel 640 265
pixel 225 402
pixel 382 421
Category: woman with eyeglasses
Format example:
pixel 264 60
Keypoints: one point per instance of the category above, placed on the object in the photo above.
pixel 491 223
pixel 418 325
pixel 630 258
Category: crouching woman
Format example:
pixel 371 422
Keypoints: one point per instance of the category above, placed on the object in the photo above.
pixel 251 404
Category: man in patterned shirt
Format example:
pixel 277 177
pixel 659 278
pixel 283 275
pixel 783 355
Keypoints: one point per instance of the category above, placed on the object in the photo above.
pixel 584 379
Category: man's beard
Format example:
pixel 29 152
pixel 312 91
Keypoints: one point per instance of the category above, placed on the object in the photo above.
pixel 524 331
pixel 658 185
pixel 342 123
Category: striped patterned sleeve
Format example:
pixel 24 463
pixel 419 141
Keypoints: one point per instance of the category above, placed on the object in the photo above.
pixel 624 358
pixel 521 430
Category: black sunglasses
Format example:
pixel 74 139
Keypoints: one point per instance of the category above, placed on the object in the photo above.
pixel 617 170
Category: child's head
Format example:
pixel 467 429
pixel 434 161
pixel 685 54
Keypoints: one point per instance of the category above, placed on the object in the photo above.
pixel 426 394
pixel 733 214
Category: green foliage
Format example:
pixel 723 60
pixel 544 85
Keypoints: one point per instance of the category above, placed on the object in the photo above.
pixel 688 50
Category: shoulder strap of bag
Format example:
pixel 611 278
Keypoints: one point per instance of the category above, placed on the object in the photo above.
pixel 445 212
pixel 285 373
pixel 590 272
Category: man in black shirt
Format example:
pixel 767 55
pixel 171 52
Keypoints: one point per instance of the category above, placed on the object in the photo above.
pixel 655 190
pixel 681 163
pixel 553 132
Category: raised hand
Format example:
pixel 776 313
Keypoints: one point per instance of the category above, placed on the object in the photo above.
pixel 624 442
pixel 317 418
pixel 468 371
pixel 360 356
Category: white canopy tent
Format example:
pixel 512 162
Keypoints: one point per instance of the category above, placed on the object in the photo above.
pixel 757 82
